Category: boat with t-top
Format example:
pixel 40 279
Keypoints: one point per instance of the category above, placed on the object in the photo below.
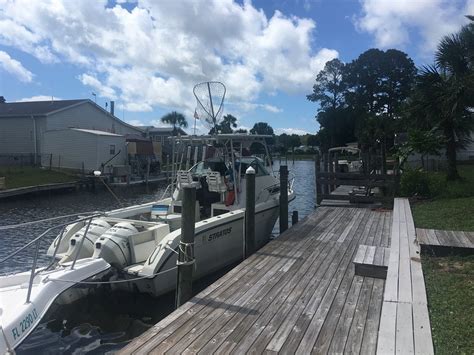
pixel 135 248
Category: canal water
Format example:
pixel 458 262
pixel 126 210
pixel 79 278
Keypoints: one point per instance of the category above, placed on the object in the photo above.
pixel 103 321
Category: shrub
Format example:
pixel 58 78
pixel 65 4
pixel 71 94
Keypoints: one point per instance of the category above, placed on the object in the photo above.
pixel 421 183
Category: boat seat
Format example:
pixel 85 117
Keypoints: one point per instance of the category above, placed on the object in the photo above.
pixel 141 246
pixel 134 269
pixel 216 183
pixel 184 178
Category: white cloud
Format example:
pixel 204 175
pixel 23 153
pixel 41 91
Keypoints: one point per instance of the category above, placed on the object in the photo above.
pixel 135 122
pixel 250 106
pixel 297 131
pixel 39 98
pixel 393 23
pixel 271 108
pixel 93 82
pixel 153 54
pixel 15 68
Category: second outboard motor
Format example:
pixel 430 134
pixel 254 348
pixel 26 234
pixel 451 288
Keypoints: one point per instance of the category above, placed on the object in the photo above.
pixel 113 246
pixel 96 229
pixel 63 240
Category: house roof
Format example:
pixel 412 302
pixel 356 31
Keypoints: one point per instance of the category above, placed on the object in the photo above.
pixel 96 132
pixel 35 108
pixel 44 108
pixel 162 130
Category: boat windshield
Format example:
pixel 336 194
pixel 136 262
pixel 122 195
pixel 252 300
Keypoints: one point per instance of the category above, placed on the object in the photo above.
pixel 209 165
pixel 255 163
pixel 202 167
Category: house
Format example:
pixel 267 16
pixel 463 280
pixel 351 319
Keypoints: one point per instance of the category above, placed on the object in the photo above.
pixel 25 126
pixel 162 135
pixel 88 149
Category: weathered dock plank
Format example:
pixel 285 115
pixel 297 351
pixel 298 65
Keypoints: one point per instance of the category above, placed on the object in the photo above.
pixel 443 238
pixel 299 293
pixel 404 325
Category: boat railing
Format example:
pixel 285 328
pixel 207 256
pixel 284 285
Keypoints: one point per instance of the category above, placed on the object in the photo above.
pixel 270 188
pixel 291 178
pixel 166 191
pixel 37 241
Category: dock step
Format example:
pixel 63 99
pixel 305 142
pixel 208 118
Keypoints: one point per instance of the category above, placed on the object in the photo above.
pixel 371 261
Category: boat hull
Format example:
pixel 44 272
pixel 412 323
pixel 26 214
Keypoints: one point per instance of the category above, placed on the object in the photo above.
pixel 219 242
pixel 18 318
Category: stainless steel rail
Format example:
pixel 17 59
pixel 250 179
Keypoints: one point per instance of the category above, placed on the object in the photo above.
pixel 37 242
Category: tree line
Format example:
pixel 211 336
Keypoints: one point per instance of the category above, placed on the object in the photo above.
pixel 381 96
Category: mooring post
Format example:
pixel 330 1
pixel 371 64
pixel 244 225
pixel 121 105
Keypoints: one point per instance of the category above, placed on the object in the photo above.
pixel 185 263
pixel 294 218
pixel 283 198
pixel 249 212
pixel 317 169
pixel 326 170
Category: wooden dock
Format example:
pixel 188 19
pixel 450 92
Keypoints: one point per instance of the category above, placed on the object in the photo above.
pixel 442 238
pixel 38 188
pixel 298 294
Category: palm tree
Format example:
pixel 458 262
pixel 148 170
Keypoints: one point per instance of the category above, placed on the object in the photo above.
pixel 175 119
pixel 444 93
pixel 228 122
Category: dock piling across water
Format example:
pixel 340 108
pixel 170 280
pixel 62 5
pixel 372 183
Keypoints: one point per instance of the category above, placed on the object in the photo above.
pixel 283 198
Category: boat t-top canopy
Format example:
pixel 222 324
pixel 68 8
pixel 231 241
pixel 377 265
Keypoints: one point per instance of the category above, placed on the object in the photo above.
pixel 235 137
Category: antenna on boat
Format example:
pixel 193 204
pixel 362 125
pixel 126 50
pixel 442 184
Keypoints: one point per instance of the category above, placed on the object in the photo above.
pixel 210 102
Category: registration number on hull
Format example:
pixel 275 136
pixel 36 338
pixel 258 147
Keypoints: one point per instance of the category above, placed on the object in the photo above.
pixel 24 324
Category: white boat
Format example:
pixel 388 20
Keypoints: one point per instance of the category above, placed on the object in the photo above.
pixel 135 248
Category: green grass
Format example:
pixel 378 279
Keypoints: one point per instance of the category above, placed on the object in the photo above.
pixel 450 280
pixel 452 208
pixel 30 176
pixel 447 214
pixel 450 285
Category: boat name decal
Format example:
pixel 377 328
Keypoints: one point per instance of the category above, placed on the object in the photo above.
pixel 221 233
pixel 24 324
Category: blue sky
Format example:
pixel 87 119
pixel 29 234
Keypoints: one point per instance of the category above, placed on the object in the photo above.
pixel 147 55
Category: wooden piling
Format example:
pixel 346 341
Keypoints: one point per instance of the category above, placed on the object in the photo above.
pixel 294 218
pixel 326 170
pixel 250 212
pixel 331 170
pixel 185 263
pixel 283 198
pixel 317 169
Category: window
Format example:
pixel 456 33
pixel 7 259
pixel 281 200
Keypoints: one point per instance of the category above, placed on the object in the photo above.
pixel 112 149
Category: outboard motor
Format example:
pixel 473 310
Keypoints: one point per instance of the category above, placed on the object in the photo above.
pixel 113 246
pixel 63 246
pixel 96 229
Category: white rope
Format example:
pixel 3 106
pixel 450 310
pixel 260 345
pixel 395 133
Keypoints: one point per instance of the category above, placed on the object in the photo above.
pixel 111 282
pixel 188 259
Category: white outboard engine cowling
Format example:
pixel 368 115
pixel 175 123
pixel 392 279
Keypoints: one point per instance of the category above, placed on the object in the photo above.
pixel 96 229
pixel 113 246
pixel 63 240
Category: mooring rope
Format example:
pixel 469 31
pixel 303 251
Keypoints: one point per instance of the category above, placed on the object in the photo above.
pixel 12 226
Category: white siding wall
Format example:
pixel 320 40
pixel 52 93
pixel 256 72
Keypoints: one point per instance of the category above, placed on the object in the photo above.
pixel 88 116
pixel 103 151
pixel 16 135
pixel 76 147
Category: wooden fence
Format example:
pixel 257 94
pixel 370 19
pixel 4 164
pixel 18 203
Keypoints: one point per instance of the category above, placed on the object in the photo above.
pixel 328 178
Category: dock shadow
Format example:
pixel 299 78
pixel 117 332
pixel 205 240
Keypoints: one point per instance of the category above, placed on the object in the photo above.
pixel 283 256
